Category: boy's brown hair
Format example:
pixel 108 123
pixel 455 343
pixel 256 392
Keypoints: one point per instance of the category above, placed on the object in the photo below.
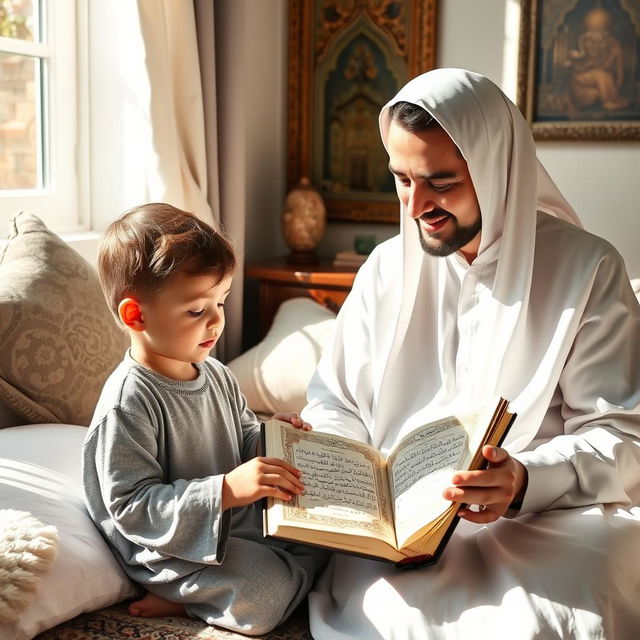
pixel 147 244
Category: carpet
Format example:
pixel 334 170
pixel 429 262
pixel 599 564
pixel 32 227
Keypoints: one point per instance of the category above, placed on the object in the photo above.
pixel 115 622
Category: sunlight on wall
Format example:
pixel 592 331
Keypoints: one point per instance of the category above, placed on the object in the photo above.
pixel 510 51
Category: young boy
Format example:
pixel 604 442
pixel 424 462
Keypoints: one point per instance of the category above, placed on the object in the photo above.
pixel 170 473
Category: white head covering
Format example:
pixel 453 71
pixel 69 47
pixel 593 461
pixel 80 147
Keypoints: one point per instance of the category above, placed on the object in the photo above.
pixel 511 186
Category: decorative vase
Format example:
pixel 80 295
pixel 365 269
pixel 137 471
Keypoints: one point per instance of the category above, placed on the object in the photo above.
pixel 303 222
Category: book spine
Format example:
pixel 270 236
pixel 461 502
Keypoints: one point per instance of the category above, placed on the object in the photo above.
pixel 264 502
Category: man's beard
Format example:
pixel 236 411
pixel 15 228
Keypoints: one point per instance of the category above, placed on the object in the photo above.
pixel 461 237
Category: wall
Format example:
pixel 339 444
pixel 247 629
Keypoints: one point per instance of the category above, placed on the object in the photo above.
pixel 600 179
pixel 251 74
pixel 251 51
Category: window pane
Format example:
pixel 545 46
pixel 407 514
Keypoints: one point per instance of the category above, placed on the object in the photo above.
pixel 19 122
pixel 19 19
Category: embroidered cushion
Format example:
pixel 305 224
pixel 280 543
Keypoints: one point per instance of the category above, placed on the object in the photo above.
pixel 59 341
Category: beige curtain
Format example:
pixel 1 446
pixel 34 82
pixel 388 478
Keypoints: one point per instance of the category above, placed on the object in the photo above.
pixel 176 110
pixel 179 48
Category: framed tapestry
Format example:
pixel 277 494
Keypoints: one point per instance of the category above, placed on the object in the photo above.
pixel 579 69
pixel 347 59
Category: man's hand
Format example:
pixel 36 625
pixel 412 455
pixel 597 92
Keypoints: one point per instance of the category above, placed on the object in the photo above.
pixel 293 419
pixel 493 489
pixel 260 478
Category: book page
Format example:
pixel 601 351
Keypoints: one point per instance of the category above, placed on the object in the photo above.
pixel 421 467
pixel 344 480
pixel 337 483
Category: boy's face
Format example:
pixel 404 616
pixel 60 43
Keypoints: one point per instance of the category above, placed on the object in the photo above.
pixel 181 324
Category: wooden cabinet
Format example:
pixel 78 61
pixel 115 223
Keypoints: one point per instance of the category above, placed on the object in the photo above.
pixel 280 281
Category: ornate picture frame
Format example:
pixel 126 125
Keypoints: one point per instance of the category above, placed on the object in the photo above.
pixel 579 69
pixel 346 60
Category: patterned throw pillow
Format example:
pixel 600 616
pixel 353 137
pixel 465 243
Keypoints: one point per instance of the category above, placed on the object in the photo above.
pixel 58 340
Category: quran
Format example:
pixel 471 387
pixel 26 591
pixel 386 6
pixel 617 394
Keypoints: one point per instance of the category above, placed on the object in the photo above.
pixel 357 501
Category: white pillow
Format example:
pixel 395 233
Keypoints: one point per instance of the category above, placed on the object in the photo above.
pixel 40 472
pixel 635 285
pixel 274 374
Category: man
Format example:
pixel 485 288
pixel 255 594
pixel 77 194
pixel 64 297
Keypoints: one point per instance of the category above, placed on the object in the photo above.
pixel 491 288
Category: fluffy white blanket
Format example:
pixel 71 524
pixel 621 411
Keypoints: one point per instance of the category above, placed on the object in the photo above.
pixel 27 549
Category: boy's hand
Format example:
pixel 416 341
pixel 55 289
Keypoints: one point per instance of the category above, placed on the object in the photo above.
pixel 260 478
pixel 494 489
pixel 293 419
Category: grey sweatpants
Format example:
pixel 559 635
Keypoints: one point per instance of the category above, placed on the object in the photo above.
pixel 257 586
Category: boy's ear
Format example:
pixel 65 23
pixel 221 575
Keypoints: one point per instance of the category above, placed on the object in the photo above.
pixel 131 314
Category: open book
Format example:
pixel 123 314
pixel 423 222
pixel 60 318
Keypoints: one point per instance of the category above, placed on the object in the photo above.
pixel 391 509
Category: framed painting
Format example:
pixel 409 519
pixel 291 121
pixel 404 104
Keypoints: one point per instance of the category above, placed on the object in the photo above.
pixel 347 58
pixel 579 69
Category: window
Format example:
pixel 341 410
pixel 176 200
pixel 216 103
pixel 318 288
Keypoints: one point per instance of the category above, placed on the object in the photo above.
pixel 39 124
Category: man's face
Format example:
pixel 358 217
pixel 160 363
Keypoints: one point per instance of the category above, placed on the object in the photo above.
pixel 434 185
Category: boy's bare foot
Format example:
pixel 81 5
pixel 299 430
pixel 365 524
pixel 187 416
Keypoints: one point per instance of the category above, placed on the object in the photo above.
pixel 152 606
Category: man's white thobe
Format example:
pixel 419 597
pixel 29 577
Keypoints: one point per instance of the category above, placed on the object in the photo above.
pixel 544 316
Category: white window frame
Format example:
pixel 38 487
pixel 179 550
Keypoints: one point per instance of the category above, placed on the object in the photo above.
pixel 61 203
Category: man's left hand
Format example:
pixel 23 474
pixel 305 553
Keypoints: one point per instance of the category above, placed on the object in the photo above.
pixel 492 489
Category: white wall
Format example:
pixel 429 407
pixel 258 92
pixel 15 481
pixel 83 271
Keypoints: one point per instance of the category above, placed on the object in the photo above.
pixel 600 179
pixel 602 183
pixel 251 52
